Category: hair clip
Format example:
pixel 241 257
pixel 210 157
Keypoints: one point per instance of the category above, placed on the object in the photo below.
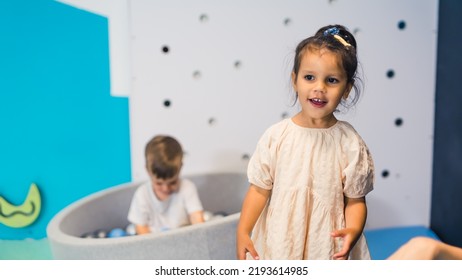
pixel 331 31
pixel 334 31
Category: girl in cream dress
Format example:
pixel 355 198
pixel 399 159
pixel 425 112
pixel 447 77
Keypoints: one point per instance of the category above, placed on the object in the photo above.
pixel 309 174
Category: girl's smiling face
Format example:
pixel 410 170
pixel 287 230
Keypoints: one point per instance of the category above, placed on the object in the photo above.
pixel 321 83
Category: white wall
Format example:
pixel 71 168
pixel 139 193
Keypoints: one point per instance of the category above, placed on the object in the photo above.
pixel 218 111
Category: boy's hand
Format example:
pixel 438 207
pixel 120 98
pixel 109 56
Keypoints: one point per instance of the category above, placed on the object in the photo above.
pixel 142 229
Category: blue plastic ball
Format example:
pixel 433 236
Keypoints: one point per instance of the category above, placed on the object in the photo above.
pixel 117 232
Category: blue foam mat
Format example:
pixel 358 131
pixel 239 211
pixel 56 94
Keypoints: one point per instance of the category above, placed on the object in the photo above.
pixel 383 242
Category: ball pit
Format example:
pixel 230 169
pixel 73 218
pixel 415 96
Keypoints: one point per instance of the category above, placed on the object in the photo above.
pixel 220 193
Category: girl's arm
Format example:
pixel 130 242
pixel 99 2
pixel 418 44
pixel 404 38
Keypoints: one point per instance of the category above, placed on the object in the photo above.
pixel 196 217
pixel 448 252
pixel 254 203
pixel 355 219
pixel 425 248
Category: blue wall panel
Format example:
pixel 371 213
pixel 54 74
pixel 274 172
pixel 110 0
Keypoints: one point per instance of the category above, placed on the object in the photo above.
pixel 60 128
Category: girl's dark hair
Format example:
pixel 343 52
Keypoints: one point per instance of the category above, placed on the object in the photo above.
pixel 346 49
pixel 163 156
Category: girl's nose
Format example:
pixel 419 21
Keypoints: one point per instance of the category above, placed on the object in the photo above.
pixel 320 87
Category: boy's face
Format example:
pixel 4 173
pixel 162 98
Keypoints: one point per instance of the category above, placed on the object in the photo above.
pixel 163 188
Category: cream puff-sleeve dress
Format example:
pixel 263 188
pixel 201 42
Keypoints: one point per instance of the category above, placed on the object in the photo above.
pixel 309 171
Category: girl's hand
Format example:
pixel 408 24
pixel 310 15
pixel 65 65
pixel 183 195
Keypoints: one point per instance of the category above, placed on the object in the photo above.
pixel 244 245
pixel 355 218
pixel 252 207
pixel 349 236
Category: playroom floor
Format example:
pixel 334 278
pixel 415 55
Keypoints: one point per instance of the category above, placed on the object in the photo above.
pixel 382 243
pixel 25 250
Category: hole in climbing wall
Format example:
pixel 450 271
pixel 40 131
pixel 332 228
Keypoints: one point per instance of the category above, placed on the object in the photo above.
pixel 167 103
pixel 284 115
pixel 245 157
pixel 399 122
pixel 401 25
pixel 356 31
pixel 390 74
pixel 287 21
pixel 165 49
pixel 203 18
pixel 212 121
pixel 197 74
pixel 237 64
pixel 385 173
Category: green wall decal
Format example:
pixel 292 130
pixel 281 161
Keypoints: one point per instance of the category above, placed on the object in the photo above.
pixel 24 214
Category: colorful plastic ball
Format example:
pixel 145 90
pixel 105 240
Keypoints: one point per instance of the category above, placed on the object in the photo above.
pixel 130 229
pixel 221 213
pixel 207 216
pixel 162 229
pixel 88 235
pixel 117 232
pixel 101 233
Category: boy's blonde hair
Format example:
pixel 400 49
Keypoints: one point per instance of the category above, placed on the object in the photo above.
pixel 164 156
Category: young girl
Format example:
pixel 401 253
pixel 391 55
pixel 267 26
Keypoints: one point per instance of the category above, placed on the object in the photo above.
pixel 310 174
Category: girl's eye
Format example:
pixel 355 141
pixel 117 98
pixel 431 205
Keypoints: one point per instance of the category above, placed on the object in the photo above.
pixel 309 77
pixel 332 80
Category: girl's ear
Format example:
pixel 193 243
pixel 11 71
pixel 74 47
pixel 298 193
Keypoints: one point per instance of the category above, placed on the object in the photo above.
pixel 294 78
pixel 347 91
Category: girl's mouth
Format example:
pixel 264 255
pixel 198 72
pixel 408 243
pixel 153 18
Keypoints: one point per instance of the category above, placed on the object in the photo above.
pixel 318 102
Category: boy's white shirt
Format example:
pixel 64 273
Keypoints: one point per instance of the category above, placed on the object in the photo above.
pixel 147 209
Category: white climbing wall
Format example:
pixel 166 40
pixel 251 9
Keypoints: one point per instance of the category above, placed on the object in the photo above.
pixel 216 74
